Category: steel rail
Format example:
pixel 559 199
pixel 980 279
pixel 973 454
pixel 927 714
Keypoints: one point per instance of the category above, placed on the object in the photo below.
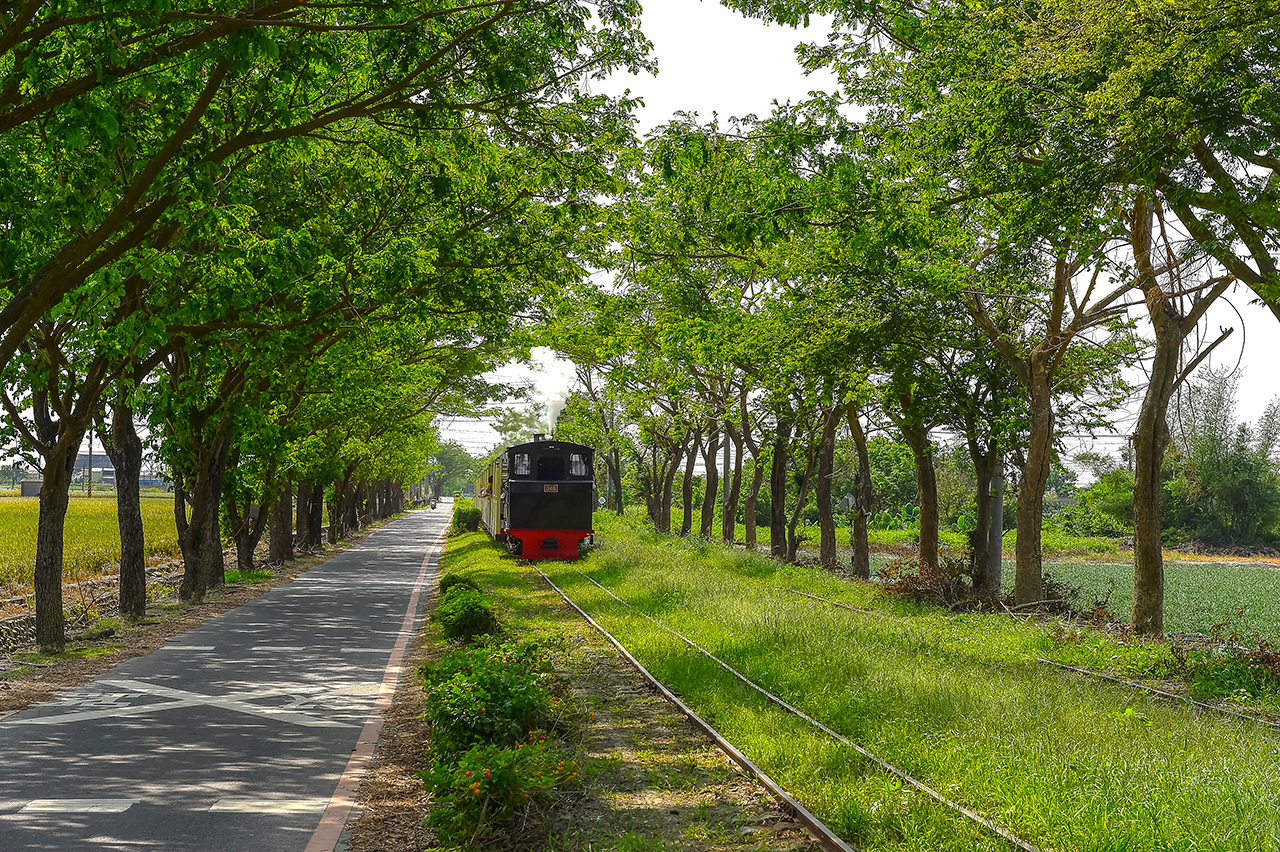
pixel 1162 693
pixel 993 827
pixel 1170 696
pixel 824 835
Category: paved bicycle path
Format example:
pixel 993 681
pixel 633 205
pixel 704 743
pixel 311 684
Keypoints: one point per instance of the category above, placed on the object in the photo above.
pixel 237 734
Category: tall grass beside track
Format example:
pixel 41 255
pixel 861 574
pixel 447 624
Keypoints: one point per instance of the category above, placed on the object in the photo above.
pixel 955 699
pixel 92 538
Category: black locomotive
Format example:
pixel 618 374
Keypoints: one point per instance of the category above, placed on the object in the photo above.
pixel 538 498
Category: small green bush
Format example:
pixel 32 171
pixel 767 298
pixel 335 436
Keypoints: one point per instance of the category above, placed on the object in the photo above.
pixel 464 613
pixel 495 795
pixel 451 581
pixel 466 516
pixel 495 693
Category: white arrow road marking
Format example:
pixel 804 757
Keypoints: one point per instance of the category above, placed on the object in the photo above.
pixel 238 702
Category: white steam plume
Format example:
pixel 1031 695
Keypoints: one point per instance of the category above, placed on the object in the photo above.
pixel 555 404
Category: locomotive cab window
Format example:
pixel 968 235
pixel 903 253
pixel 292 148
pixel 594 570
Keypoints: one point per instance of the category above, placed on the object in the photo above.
pixel 577 464
pixel 551 467
pixel 521 464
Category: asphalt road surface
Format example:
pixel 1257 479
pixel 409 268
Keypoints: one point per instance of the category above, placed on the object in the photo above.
pixel 245 733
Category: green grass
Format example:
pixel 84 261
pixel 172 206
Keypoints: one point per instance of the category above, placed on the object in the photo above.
pixel 92 537
pixel 252 577
pixel 955 699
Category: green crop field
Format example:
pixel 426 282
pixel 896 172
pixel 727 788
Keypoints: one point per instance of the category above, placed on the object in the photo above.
pixel 1243 599
pixel 92 537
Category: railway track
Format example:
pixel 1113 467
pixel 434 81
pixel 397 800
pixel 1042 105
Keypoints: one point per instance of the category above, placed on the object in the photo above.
pixel 825 835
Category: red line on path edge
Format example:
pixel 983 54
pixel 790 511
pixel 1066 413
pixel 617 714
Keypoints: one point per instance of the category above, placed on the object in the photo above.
pixel 338 811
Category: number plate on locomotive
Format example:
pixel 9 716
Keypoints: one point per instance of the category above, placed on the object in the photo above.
pixel 550 489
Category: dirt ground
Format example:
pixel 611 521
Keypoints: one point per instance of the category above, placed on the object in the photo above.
pixel 651 780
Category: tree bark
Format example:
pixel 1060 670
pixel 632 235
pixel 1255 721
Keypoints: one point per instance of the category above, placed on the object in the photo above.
pixel 199 533
pixel 686 523
pixel 822 489
pixel 995 540
pixel 802 497
pixel 712 480
pixel 335 513
pixel 1151 432
pixel 301 525
pixel 927 484
pixel 1029 577
pixel 778 492
pixel 247 528
pixel 860 550
pixel 315 519
pixel 729 522
pixel 281 543
pixel 986 462
pixel 668 487
pixel 749 504
pixel 125 451
pixel 59 463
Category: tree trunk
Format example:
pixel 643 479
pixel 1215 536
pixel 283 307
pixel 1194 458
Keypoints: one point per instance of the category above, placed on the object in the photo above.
pixel 125 451
pixel 778 492
pixel 199 534
pixel 51 631
pixel 248 526
pixel 615 469
pixel 686 524
pixel 986 461
pixel 315 521
pixel 822 490
pixel 712 481
pixel 668 487
pixel 335 513
pixel 860 550
pixel 362 504
pixel 802 497
pixel 995 543
pixel 749 505
pixel 302 524
pixel 281 527
pixel 1029 577
pixel 927 483
pixel 351 509
pixel 729 523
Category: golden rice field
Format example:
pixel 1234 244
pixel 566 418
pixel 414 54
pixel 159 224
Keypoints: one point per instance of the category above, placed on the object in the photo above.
pixel 92 537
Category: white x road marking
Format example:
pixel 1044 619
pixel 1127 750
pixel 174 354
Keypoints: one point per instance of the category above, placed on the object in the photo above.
pixel 182 698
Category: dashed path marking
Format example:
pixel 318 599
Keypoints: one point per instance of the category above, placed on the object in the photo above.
pixel 78 806
pixel 269 806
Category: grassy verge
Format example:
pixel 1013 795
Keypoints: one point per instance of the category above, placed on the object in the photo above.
pixel 957 700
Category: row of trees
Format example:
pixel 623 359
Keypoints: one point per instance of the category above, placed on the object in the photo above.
pixel 1037 198
pixel 276 239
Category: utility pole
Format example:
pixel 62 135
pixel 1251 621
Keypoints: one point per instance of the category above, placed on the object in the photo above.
pixel 89 482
